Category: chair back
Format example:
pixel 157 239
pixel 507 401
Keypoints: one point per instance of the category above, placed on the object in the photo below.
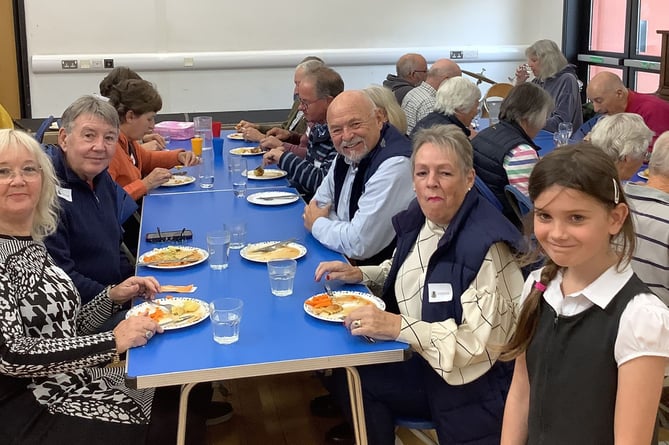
pixel 44 126
pixel 520 203
pixel 417 428
pixel 498 90
pixel 485 191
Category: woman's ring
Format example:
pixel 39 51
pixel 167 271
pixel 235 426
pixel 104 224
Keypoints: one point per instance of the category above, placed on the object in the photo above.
pixel 148 334
pixel 356 324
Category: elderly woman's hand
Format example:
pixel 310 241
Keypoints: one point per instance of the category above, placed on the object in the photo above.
pixel 156 138
pixel 135 331
pixel 156 178
pixel 188 158
pixel 147 287
pixel 373 322
pixel 338 270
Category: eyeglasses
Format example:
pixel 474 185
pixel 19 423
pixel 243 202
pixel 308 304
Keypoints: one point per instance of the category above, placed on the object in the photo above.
pixel 306 103
pixel 420 71
pixel 29 173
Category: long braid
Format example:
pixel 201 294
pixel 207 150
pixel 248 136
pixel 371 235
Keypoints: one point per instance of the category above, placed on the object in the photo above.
pixel 529 314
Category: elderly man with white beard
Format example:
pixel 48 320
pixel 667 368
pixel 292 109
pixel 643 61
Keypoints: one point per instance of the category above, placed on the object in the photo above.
pixel 369 182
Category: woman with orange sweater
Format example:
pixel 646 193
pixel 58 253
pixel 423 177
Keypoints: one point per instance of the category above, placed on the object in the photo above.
pixel 136 169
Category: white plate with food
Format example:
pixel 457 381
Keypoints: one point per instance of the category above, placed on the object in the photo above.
pixel 247 151
pixel 268 173
pixel 173 257
pixel 173 312
pixel 274 198
pixel 289 251
pixel 342 303
pixel 236 136
pixel 644 174
pixel 177 180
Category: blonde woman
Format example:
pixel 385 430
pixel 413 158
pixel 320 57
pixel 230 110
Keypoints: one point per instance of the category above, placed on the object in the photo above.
pixel 554 74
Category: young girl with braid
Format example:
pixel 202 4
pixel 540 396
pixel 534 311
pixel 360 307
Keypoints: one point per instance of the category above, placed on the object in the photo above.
pixel 592 342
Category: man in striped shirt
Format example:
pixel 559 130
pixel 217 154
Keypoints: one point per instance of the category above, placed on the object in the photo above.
pixel 316 92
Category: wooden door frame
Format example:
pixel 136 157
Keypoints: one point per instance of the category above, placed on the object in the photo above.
pixel 15 95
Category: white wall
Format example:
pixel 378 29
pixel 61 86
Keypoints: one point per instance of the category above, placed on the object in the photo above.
pixel 243 52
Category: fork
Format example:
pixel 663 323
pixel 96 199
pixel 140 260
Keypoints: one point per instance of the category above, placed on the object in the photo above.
pixel 167 306
pixel 328 290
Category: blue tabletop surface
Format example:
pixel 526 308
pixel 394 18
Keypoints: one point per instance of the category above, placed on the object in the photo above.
pixel 222 178
pixel 276 335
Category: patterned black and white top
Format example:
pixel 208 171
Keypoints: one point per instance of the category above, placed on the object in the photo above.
pixel 48 347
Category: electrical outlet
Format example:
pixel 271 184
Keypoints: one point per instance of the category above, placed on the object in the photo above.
pixel 456 54
pixel 471 54
pixel 109 63
pixel 69 64
pixel 85 64
pixel 97 63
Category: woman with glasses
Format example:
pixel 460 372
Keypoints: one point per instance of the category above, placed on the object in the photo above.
pixel 54 388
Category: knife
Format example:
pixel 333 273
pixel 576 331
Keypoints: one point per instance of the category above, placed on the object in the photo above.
pixel 270 198
pixel 274 246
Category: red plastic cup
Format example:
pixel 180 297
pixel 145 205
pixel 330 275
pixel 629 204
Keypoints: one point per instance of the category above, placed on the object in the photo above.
pixel 216 129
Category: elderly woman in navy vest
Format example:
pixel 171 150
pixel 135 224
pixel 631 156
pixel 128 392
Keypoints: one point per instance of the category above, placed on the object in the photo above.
pixel 457 103
pixel 505 153
pixel 451 291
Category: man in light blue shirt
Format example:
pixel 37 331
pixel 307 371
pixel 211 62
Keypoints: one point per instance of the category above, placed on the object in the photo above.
pixel 368 183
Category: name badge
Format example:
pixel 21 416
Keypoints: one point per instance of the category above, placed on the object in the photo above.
pixel 66 194
pixel 439 292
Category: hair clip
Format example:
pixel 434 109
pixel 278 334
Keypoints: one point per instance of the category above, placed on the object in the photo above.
pixel 538 285
pixel 616 192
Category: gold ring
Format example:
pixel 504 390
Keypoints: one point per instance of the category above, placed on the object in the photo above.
pixel 148 334
pixel 356 324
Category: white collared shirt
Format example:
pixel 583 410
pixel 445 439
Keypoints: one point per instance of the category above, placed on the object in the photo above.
pixel 644 324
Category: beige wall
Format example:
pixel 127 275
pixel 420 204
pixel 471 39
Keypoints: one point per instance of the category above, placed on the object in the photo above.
pixel 9 80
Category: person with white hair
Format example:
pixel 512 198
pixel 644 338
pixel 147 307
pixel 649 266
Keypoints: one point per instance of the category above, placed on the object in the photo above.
pixel 457 103
pixel 553 73
pixel 649 205
pixel 625 138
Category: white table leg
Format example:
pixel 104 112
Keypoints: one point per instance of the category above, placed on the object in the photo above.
pixel 183 412
pixel 357 407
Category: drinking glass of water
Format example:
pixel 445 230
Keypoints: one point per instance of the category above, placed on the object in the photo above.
pixel 218 246
pixel 281 276
pixel 566 128
pixel 226 315
pixel 238 168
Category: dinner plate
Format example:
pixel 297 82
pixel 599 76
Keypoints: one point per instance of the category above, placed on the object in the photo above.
pixel 236 136
pixel 177 180
pixel 199 255
pixel 270 173
pixel 291 251
pixel 347 300
pixel 246 151
pixel 275 198
pixel 165 318
pixel 644 174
